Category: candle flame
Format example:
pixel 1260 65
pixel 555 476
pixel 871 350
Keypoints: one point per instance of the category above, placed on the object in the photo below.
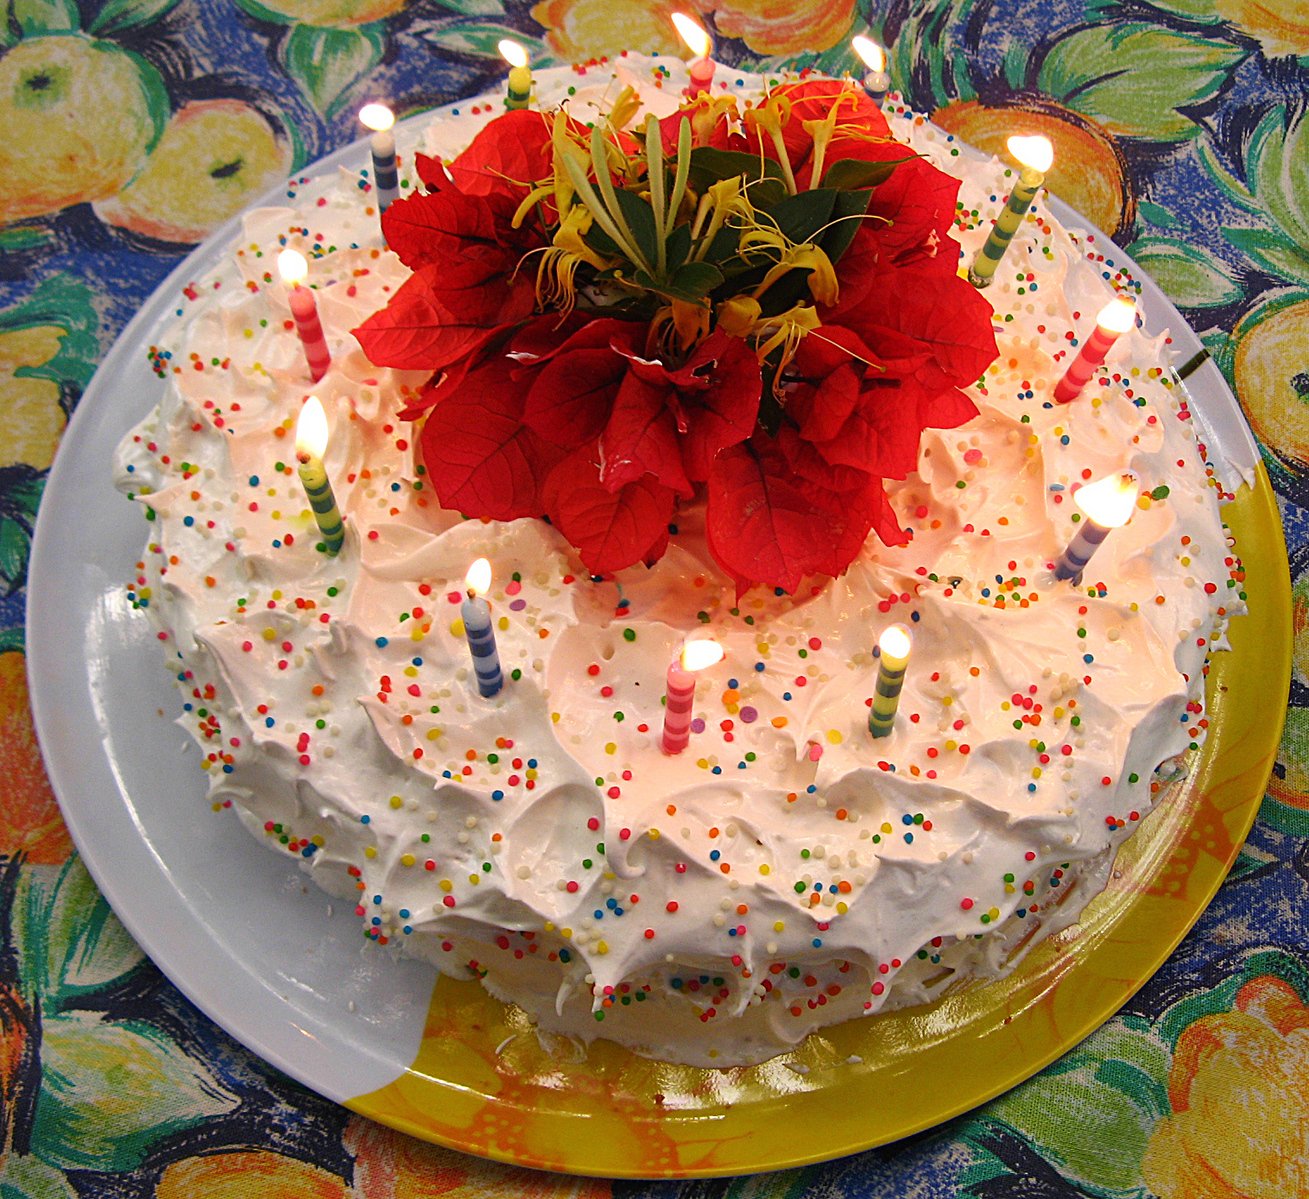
pixel 376 117
pixel 1109 501
pixel 696 655
pixel 1034 152
pixel 311 429
pixel 478 578
pixel 1118 315
pixel 692 33
pixel 873 55
pixel 895 641
pixel 291 265
pixel 512 53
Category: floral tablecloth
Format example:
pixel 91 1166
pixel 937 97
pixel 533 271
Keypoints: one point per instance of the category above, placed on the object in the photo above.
pixel 133 127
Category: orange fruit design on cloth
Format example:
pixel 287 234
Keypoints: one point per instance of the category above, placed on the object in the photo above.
pixel 29 817
pixel 1239 1093
pixel 1089 171
pixel 31 418
pixel 785 26
pixel 215 157
pixel 581 29
pixel 78 120
pixel 1279 26
pixel 248 1174
pixel 391 1165
pixel 331 13
pixel 1272 382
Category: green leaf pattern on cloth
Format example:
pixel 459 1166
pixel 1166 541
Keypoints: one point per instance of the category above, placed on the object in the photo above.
pixel 112 1089
pixel 1206 98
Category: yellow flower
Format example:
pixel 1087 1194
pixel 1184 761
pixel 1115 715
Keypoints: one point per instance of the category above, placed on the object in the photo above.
pixel 331 13
pixel 1239 1092
pixel 1280 28
pixel 31 420
pixel 785 26
pixel 582 29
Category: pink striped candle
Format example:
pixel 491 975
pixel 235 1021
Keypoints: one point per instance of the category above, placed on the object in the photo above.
pixel 291 265
pixel 680 697
pixel 697 40
pixel 1113 320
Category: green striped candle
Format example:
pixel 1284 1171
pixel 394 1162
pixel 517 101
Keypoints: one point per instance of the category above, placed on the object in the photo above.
pixel 310 445
pixel 893 648
pixel 1034 155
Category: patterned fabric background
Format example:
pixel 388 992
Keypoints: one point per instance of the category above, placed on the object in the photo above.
pixel 133 127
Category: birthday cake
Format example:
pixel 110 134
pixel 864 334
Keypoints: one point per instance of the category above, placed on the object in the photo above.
pixel 898 460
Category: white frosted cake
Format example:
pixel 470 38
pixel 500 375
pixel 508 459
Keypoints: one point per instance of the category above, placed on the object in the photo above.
pixel 785 872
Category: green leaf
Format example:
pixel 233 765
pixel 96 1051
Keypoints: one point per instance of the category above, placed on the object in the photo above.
pixel 1191 276
pixel 68 940
pixel 1135 79
pixel 1093 1129
pixel 17 239
pixel 847 213
pixel 35 17
pixel 1156 214
pixel 479 39
pixel 475 8
pixel 15 548
pixel 851 174
pixel 26 1176
pixel 1272 252
pixel 692 282
pixel 11 639
pixel 1277 165
pixel 67 303
pixel 119 15
pixel 1201 12
pixel 800 217
pixel 709 165
pixel 640 220
pixel 110 1091
pixel 326 63
pixel 1234 188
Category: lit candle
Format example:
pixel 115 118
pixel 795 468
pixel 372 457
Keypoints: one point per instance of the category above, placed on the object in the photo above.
pixel 310 446
pixel 291 265
pixel 1034 155
pixel 893 648
pixel 1114 319
pixel 697 41
pixel 680 697
pixel 520 77
pixel 477 628
pixel 1107 504
pixel 386 177
pixel 877 82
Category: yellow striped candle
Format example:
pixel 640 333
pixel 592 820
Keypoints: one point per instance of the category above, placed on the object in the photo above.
pixel 1034 155
pixel 893 647
pixel 310 446
pixel 519 94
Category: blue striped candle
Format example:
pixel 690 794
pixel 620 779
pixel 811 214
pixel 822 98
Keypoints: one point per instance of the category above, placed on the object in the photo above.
pixel 476 613
pixel 310 446
pixel 386 174
pixel 1107 504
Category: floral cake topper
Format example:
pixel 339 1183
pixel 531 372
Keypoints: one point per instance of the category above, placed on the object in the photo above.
pixel 757 307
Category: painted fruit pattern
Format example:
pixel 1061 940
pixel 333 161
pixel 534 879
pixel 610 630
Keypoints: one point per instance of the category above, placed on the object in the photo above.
pixel 135 127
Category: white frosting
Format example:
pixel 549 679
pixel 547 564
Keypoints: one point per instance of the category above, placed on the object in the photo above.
pixel 787 871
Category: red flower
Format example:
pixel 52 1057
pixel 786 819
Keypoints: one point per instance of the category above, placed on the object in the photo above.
pixel 606 415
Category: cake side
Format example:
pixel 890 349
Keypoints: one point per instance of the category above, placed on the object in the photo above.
pixel 787 871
